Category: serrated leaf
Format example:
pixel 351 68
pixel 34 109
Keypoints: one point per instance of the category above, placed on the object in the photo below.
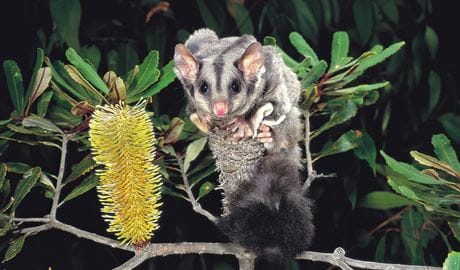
pixel 367 151
pixel 14 248
pixel 409 171
pixel 43 103
pixel 434 163
pixel 27 131
pixel 431 41
pixel 452 261
pixel 81 168
pixel 374 59
pixel 33 80
pixel 303 47
pixel 193 150
pixel 92 54
pixel 15 84
pixel 24 186
pixel 66 16
pixel 346 142
pixel 362 88
pixel 316 72
pixel 340 45
pixel 205 188
pixel 147 75
pixel 363 12
pixel 167 77
pixel 86 185
pixel 36 121
pixel 444 151
pixel 383 200
pixel 451 124
pixel 3 170
pixel 86 70
pixel 344 113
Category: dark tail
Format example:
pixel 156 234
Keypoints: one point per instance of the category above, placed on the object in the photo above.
pixel 270 216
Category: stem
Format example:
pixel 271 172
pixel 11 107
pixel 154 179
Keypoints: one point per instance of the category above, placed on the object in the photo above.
pixel 57 192
pixel 195 205
pixel 311 172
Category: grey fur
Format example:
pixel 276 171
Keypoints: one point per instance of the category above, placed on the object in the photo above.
pixel 275 83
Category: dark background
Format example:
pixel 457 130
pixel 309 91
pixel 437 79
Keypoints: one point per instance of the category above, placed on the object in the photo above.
pixel 20 21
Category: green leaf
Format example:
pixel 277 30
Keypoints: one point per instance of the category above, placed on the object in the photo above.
pixel 434 83
pixel 14 248
pixel 29 131
pixel 17 167
pixel 3 170
pixel 455 228
pixel 452 261
pixel 357 89
pixel 127 62
pixel 374 59
pixel 431 41
pixel 451 123
pixel 409 171
pixel 33 80
pixel 15 84
pixel 84 166
pixel 430 161
pixel 43 102
pixel 350 185
pixel 198 177
pixel 302 46
pixel 380 249
pixel 344 113
pixel 148 73
pixel 86 185
pixel 207 16
pixel 346 142
pixel 367 151
pixel 316 72
pixel 384 200
pixel 205 188
pixel 66 16
pixel 242 18
pixel 305 19
pixel 444 151
pixel 42 83
pixel 363 12
pixel 36 121
pixel 410 227
pixel 92 54
pixel 86 70
pixel 167 77
pixel 166 190
pixel 340 44
pixel 193 150
pixel 24 186
pixel 390 10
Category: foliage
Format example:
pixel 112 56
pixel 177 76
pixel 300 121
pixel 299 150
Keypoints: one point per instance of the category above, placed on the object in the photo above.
pixel 349 99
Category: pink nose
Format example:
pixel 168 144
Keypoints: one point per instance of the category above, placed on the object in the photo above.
pixel 220 108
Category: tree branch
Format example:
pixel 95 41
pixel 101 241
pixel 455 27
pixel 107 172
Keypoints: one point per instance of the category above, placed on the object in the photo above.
pixel 195 204
pixel 57 192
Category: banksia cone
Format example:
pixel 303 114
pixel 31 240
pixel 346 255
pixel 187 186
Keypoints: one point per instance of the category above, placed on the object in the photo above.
pixel 122 140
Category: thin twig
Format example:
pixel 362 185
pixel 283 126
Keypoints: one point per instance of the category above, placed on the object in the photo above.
pixel 311 173
pixel 195 204
pixel 65 140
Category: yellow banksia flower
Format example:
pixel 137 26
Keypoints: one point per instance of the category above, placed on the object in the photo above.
pixel 123 141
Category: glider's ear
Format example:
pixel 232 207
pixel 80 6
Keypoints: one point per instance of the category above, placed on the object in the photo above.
pixel 185 62
pixel 251 61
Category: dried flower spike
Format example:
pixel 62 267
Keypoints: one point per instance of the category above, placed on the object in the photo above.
pixel 123 141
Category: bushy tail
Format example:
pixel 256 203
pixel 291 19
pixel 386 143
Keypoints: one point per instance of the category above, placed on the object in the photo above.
pixel 270 216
